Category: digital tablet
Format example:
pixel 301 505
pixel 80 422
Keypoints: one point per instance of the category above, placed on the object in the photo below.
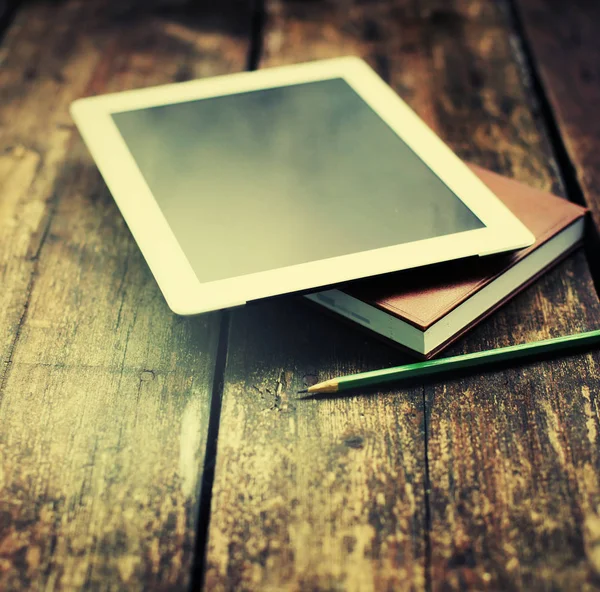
pixel 261 183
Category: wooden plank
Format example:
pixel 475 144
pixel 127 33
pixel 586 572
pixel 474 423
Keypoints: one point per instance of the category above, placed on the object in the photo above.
pixel 105 394
pixel 512 455
pixel 563 40
pixel 505 452
pixel 314 495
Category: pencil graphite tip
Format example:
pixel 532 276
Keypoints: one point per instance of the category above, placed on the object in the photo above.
pixel 303 391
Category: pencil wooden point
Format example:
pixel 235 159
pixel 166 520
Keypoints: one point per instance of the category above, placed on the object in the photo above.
pixel 328 386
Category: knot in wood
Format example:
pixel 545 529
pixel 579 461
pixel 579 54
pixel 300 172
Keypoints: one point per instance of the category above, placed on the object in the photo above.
pixel 146 375
pixel 355 441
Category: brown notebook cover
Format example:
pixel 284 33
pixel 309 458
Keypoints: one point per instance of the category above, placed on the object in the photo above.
pixel 423 296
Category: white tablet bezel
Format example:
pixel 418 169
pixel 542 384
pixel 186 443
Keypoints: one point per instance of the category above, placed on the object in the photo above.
pixel 174 274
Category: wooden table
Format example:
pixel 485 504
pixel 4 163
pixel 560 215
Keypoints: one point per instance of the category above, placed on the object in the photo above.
pixel 143 451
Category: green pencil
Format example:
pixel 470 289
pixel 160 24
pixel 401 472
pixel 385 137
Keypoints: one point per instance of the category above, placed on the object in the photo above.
pixel 483 360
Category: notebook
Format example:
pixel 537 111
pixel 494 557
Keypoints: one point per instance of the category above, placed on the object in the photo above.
pixel 424 310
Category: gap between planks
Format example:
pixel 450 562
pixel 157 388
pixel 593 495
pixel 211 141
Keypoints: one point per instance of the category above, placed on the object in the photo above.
pixel 257 28
pixel 426 495
pixel 7 14
pixel 566 167
pixel 210 456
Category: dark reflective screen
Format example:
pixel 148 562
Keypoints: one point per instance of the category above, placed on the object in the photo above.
pixel 271 178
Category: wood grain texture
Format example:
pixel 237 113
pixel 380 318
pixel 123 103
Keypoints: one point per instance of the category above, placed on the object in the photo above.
pixel 104 393
pixel 511 457
pixel 563 39
pixel 313 494
pixel 512 454
pixel 316 494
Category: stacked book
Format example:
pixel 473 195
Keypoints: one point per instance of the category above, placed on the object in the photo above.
pixel 423 312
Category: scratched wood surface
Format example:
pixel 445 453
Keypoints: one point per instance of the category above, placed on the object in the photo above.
pixel 477 483
pixel 564 44
pixel 314 494
pixel 513 460
pixel 104 393
pixel 341 493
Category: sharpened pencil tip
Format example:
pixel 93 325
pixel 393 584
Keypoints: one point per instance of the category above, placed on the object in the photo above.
pixel 303 391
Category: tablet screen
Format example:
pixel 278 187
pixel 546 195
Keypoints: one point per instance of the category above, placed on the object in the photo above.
pixel 271 178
